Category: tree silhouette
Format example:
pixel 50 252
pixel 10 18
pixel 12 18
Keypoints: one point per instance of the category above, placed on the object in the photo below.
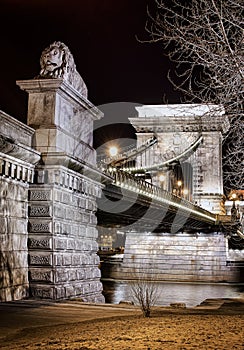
pixel 205 40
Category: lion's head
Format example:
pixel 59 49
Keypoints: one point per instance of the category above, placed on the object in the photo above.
pixel 57 62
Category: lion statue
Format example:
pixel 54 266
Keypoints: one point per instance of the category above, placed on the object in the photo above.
pixel 57 62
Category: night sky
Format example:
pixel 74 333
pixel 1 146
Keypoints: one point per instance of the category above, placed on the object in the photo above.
pixel 101 35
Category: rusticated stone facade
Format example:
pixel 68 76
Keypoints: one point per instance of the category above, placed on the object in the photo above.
pixel 181 257
pixel 63 260
pixel 17 161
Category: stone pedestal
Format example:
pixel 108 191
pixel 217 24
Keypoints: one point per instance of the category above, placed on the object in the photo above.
pixel 62 201
pixel 62 119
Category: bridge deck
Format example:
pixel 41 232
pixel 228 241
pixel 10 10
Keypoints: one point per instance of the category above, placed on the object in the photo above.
pixel 128 201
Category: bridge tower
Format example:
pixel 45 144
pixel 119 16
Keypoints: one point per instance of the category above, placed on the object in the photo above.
pixel 187 159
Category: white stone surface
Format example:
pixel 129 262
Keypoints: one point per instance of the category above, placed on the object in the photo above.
pixel 179 110
pixel 63 119
pixel 181 257
pixel 177 127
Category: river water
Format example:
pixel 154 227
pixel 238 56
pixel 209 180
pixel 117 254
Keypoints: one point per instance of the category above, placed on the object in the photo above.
pixel 191 294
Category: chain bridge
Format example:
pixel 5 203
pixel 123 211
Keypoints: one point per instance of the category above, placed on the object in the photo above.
pixel 162 200
pixel 128 199
pixel 160 195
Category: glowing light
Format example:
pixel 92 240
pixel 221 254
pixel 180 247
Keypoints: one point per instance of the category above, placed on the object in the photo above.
pixel 113 151
pixel 234 195
pixel 179 183
pixel 185 191
pixel 162 178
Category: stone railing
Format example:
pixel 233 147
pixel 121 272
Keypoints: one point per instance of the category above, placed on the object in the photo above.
pixel 16 169
pixel 67 178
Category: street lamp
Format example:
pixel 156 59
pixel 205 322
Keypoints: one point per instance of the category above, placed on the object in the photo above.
pixel 185 192
pixel 179 189
pixel 179 183
pixel 233 209
pixel 113 151
pixel 162 178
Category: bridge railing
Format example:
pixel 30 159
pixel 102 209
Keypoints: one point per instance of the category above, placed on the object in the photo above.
pixel 130 182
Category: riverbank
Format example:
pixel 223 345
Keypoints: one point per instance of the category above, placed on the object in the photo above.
pixel 216 324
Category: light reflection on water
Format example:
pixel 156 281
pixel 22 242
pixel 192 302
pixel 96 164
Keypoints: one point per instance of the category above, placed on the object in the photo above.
pixel 191 294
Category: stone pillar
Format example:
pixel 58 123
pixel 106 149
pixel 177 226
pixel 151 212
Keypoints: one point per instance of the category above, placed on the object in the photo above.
pixel 62 201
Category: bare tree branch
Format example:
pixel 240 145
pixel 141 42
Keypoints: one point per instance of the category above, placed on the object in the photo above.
pixel 205 39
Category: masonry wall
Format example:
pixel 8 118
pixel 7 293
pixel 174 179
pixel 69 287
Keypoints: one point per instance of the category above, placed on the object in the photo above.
pixel 16 173
pixel 13 240
pixel 63 260
pixel 48 189
pixel 179 257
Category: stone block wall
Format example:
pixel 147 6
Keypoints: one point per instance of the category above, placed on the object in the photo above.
pixel 180 257
pixel 15 176
pixel 63 260
pixel 16 172
pixel 13 239
pixel 49 186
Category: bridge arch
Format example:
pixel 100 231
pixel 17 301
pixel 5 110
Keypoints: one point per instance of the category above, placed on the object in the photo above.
pixel 190 139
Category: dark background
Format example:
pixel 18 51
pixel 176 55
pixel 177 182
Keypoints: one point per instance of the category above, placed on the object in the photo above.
pixel 101 35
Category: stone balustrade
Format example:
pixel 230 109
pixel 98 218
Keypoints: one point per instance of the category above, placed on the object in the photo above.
pixel 16 169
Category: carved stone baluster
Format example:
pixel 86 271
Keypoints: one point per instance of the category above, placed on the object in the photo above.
pixel 12 170
pixel 6 168
pixel 1 166
pixel 19 172
pixel 32 176
pixel 75 183
pixel 62 179
pixel 56 177
pixel 29 176
pixel 24 174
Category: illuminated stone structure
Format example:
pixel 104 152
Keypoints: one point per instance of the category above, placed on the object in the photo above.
pixel 49 200
pixel 187 158
pixel 49 185
pixel 17 163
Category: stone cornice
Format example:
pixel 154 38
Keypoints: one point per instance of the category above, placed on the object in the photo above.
pixel 181 123
pixel 16 150
pixel 180 117
pixel 13 128
pixel 73 164
pixel 64 89
pixel 17 169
